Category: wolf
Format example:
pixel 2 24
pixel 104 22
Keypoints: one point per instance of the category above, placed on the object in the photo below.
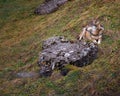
pixel 93 31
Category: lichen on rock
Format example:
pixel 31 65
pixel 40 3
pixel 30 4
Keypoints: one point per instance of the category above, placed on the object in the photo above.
pixel 58 52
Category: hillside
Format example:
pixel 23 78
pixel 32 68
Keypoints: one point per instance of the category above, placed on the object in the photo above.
pixel 21 34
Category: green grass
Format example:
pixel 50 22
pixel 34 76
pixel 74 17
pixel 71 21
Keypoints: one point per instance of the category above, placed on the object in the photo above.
pixel 21 36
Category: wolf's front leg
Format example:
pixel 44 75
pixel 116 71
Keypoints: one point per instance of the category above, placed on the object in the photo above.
pixel 99 40
pixel 82 34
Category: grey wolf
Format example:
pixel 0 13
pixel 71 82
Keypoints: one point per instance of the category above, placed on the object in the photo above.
pixel 92 32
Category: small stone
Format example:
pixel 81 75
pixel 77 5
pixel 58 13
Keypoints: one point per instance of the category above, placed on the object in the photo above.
pixel 64 72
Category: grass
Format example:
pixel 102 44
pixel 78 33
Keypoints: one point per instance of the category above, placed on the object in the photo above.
pixel 21 36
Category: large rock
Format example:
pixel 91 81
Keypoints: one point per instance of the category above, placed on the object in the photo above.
pixel 58 52
pixel 49 6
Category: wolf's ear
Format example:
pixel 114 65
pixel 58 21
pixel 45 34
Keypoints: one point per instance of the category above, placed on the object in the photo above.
pixel 100 27
pixel 94 21
pixel 97 23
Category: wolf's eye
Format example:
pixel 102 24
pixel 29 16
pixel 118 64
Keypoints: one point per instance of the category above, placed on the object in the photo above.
pixel 97 40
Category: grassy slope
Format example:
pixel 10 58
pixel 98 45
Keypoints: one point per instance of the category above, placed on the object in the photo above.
pixel 21 34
